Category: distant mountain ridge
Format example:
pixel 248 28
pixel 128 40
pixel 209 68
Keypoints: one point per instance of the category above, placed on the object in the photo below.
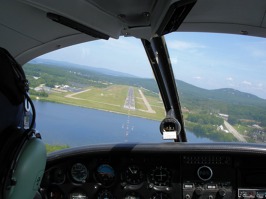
pixel 72 65
pixel 227 95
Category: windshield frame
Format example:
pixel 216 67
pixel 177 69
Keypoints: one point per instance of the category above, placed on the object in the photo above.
pixel 158 55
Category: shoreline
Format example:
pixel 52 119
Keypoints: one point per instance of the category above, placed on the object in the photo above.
pixel 50 101
pixel 44 100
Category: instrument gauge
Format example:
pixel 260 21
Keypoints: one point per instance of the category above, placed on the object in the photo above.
pixel 79 172
pixel 160 195
pixel 55 193
pixel 133 175
pixel 78 195
pixel 58 176
pixel 160 176
pixel 105 195
pixel 132 195
pixel 105 175
pixel 205 173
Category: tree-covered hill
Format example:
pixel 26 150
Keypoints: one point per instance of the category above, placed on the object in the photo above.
pixel 237 104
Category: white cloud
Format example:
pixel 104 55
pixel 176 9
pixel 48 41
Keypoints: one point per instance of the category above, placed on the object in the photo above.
pixel 183 45
pixel 260 85
pixel 229 79
pixel 198 78
pixel 246 83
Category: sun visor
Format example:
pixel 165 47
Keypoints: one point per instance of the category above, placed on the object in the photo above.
pixel 81 13
pixel 77 26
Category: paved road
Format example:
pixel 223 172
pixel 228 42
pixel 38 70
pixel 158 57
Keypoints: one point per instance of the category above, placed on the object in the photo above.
pixel 130 100
pixel 232 130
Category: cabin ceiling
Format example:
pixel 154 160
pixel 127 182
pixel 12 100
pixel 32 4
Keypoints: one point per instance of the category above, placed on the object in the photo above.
pixel 26 31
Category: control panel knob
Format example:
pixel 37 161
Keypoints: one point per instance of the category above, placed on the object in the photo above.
pixel 198 191
pixel 222 192
pixel 187 196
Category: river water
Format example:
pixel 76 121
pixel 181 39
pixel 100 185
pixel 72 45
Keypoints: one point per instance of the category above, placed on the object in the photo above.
pixel 77 126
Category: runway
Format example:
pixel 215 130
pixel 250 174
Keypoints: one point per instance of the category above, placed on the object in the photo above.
pixel 130 100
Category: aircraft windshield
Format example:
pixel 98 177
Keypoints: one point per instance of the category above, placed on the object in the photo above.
pixel 104 91
pixel 221 83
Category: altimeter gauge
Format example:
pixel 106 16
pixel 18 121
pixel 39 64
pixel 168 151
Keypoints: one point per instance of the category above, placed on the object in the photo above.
pixel 79 172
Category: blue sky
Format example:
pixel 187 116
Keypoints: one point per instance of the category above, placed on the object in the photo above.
pixel 209 61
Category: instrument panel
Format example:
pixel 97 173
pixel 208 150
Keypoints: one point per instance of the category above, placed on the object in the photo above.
pixel 132 177
pixel 143 173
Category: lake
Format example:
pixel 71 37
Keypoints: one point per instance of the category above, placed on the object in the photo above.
pixel 77 126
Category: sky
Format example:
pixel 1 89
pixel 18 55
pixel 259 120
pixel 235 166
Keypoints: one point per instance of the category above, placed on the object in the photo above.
pixel 209 61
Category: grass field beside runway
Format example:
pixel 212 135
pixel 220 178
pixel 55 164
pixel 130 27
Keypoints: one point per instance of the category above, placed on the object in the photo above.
pixel 112 98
